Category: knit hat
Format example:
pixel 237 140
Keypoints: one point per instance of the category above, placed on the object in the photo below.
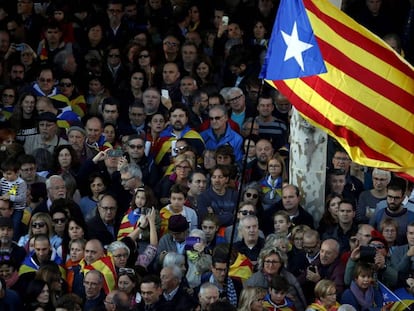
pixel 178 223
pixel 6 222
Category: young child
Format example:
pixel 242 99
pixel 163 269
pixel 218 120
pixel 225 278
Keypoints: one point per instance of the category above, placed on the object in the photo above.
pixel 362 294
pixel 13 188
pixel 178 195
pixel 276 298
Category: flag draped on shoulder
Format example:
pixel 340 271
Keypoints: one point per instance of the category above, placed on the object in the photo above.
pixel 365 99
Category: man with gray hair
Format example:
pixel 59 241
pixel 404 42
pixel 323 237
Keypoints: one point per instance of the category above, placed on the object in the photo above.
pixel 208 294
pixel 174 294
pixel 56 189
pixel 136 154
pixel 94 295
pixel 251 243
pixel 239 110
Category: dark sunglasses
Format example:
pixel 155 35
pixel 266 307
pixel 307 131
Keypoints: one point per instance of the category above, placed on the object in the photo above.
pixel 245 213
pixel 38 224
pixel 254 195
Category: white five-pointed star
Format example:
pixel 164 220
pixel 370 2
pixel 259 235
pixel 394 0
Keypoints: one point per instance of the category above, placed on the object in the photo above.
pixel 295 47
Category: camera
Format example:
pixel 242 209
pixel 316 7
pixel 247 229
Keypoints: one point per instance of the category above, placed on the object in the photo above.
pixel 367 254
pixel 190 241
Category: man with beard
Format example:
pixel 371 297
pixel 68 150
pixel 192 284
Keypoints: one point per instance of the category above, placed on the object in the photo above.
pixel 17 77
pixel 7 245
pixel 177 129
pixel 395 209
pixel 256 169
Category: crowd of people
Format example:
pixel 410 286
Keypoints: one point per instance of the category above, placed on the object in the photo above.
pixel 145 166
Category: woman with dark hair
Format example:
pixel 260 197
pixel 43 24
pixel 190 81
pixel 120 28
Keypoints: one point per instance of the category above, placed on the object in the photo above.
pixel 75 229
pixel 97 185
pixel 203 71
pixel 65 159
pixel 50 273
pixel 138 83
pixel 330 215
pixel 37 296
pixel 128 282
pixel 112 135
pixel 141 204
pixel 23 118
pixel 156 125
pixel 144 61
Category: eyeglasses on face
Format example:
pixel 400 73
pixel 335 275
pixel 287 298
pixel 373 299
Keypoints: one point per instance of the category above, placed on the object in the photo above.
pixel 215 118
pixel 59 220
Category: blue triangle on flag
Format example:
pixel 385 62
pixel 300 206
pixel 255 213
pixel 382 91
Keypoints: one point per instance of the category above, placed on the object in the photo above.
pixel 293 51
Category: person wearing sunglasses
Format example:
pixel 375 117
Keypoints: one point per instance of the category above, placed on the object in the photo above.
pixel 128 282
pixel 40 223
pixel 377 254
pixel 245 209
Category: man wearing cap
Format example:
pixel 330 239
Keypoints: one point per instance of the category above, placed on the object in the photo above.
pixel 76 138
pixel 7 245
pixel 174 240
pixel 47 137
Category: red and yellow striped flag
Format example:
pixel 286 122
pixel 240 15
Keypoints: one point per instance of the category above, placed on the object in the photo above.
pixel 366 98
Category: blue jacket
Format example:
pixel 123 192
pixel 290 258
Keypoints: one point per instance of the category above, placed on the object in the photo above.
pixel 230 137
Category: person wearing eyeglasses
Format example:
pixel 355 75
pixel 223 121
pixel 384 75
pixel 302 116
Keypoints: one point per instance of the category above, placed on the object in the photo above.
pixel 45 86
pixel 325 297
pixel 103 226
pixel 217 276
pixel 271 262
pixel 48 137
pixel 40 223
pixel 377 254
pixel 394 209
pixel 220 133
pixel 114 70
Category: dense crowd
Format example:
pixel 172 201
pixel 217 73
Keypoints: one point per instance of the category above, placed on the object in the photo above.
pixel 145 166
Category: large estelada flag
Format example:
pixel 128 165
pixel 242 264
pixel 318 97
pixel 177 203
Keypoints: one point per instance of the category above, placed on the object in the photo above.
pixel 345 80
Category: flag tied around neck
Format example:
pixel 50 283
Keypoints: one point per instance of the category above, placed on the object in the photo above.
pixel 345 80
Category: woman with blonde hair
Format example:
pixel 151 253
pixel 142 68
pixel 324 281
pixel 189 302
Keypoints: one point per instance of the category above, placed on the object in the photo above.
pixel 272 261
pixel 325 297
pixel 251 299
pixel 40 223
pixel 183 165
